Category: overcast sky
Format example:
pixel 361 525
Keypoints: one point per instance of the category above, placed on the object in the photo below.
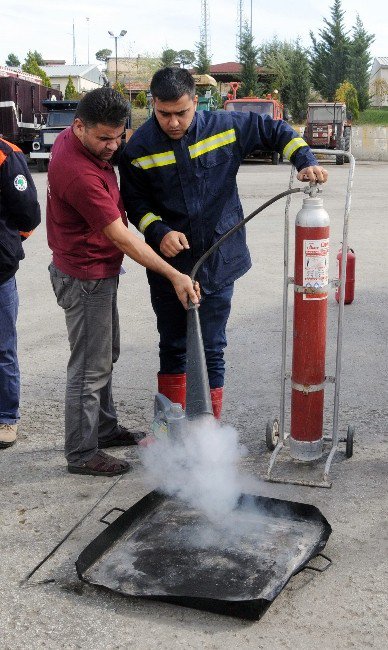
pixel 47 25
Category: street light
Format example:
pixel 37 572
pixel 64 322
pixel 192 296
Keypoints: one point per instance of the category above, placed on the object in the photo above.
pixel 122 33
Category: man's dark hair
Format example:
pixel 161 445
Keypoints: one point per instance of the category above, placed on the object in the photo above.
pixel 170 84
pixel 103 106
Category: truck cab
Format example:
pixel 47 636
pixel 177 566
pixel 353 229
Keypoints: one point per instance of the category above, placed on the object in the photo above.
pixel 328 126
pixel 60 115
pixel 267 105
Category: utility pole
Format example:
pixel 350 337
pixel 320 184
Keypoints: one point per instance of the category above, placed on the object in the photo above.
pixel 205 26
pixel 74 56
pixel 87 22
pixel 122 33
pixel 240 9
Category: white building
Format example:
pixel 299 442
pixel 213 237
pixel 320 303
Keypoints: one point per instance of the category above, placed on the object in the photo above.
pixel 378 81
pixel 85 77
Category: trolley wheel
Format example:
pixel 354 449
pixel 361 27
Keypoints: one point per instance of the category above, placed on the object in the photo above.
pixel 272 434
pixel 349 441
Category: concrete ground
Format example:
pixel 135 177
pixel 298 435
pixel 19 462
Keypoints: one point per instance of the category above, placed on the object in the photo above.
pixel 345 607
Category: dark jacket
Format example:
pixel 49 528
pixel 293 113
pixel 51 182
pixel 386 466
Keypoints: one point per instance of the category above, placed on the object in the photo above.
pixel 19 208
pixel 189 185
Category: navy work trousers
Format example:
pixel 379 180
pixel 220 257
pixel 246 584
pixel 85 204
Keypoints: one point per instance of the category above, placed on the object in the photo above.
pixel 172 323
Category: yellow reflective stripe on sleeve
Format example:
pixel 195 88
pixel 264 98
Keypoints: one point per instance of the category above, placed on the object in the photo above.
pixel 292 146
pixel 155 160
pixel 214 142
pixel 146 221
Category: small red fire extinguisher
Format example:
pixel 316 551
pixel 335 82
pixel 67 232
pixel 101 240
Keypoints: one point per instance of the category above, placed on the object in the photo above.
pixel 350 275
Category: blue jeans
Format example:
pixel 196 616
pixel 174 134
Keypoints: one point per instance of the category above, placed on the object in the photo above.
pixel 172 323
pixel 9 366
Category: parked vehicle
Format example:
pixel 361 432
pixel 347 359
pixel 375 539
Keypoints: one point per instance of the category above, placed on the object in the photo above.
pixel 60 114
pixel 328 126
pixel 21 106
pixel 204 84
pixel 269 105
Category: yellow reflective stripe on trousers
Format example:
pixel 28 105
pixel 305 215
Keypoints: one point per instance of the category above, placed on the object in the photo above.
pixel 155 160
pixel 292 146
pixel 146 221
pixel 214 142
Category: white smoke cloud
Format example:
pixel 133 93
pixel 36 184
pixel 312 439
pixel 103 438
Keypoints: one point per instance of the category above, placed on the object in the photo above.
pixel 200 468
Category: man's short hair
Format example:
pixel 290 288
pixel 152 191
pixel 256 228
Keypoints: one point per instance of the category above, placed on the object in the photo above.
pixel 170 84
pixel 103 106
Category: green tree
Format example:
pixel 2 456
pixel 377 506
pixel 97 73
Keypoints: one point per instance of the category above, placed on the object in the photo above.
pixel 70 91
pixel 379 90
pixel 330 55
pixel 12 60
pixel 103 55
pixel 31 65
pixel 120 88
pixel 248 56
pixel 169 58
pixel 202 61
pixel 290 74
pixel 299 84
pixel 275 55
pixel 185 57
pixel 37 56
pixel 347 94
pixel 141 100
pixel 360 61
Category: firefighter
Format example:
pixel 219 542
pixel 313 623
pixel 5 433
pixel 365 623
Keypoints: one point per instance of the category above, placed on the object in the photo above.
pixel 178 182
pixel 19 215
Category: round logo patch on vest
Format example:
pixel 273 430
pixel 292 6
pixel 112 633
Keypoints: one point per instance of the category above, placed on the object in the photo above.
pixel 20 182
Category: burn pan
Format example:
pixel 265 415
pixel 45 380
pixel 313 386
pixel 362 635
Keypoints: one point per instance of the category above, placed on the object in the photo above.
pixel 161 549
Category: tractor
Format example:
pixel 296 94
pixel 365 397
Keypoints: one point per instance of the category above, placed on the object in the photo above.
pixel 328 126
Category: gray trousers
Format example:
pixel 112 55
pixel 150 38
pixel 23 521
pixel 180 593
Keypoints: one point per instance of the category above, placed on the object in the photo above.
pixel 92 322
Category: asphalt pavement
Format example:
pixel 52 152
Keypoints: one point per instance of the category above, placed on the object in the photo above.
pixel 344 607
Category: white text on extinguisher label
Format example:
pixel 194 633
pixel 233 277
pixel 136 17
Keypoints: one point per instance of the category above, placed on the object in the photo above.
pixel 315 267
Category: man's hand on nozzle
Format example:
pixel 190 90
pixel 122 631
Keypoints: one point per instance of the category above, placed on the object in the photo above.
pixel 173 243
pixel 185 290
pixel 314 174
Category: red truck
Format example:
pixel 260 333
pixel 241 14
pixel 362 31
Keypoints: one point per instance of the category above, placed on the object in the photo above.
pixel 21 108
pixel 269 105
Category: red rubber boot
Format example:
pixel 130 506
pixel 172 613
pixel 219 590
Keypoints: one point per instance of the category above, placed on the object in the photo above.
pixel 173 387
pixel 216 395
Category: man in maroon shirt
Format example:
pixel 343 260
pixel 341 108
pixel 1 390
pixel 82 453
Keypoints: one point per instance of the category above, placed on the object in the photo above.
pixel 87 232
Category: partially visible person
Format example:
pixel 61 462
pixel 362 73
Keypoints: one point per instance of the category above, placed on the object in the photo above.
pixel 178 183
pixel 19 215
pixel 87 232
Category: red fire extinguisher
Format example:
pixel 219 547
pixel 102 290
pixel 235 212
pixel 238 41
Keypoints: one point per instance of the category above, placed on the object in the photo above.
pixel 350 275
pixel 309 335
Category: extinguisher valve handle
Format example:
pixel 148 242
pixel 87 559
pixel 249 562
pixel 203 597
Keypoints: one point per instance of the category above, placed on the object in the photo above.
pixel 313 189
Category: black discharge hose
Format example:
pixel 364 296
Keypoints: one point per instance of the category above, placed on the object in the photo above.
pixel 240 225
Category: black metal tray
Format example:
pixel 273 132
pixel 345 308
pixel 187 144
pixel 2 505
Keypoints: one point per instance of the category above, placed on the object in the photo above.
pixel 164 550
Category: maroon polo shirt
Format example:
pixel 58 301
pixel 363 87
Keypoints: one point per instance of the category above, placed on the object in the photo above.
pixel 82 198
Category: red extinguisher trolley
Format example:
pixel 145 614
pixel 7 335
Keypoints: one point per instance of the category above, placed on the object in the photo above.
pixel 306 441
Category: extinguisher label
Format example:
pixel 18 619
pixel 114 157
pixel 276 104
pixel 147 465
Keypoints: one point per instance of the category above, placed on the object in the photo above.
pixel 315 267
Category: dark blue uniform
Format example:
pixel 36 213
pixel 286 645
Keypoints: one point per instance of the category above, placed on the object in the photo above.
pixel 19 208
pixel 19 214
pixel 189 185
